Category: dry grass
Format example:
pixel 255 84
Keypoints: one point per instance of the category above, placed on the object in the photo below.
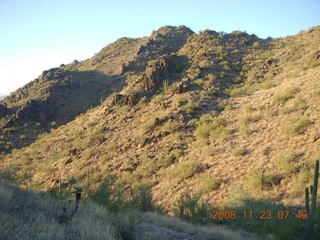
pixel 25 215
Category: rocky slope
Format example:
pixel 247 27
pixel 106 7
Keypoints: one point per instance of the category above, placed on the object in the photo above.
pixel 204 112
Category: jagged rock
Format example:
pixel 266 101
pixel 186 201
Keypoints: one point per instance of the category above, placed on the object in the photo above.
pixel 74 152
pixel 155 75
pixel 3 110
pixel 8 123
pixel 128 166
pixel 68 161
pixel 270 67
pixel 121 100
pixel 316 55
pixel 181 88
pixel 36 109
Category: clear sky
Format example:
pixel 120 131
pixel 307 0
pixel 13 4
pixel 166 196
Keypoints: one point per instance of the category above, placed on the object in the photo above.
pixel 36 35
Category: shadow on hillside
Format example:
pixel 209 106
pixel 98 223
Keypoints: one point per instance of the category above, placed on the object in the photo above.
pixel 60 101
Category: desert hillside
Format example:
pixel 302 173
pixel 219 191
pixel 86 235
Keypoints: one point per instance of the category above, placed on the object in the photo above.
pixel 209 113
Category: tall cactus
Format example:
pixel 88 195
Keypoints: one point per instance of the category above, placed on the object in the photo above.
pixel 315 189
pixel 313 192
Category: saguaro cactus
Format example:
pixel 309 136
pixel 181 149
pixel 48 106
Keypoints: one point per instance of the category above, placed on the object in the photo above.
pixel 315 189
pixel 77 191
pixel 313 192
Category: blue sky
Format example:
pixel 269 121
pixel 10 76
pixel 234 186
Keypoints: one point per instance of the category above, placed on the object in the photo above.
pixel 40 34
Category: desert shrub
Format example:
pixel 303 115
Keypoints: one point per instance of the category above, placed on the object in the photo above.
pixel 122 109
pixel 241 91
pixel 144 100
pixel 23 137
pixel 224 105
pixel 158 99
pixel 170 126
pixel 112 147
pixel 149 125
pixel 299 104
pixel 244 129
pixel 317 93
pixel 184 170
pixel 205 63
pixel 208 182
pixel 212 77
pixel 190 106
pixel 141 198
pixel 53 124
pixel 287 162
pixel 9 130
pixel 284 97
pixel 259 180
pixel 180 99
pixel 192 208
pixel 297 126
pixel 170 159
pixel 268 84
pixel 246 119
pixel 256 44
pixel 147 168
pixel 211 127
pixel 303 178
pixel 200 82
pixel 239 152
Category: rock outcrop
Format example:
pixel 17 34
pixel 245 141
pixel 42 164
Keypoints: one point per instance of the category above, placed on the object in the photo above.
pixel 3 110
pixel 121 100
pixel 36 109
pixel 156 74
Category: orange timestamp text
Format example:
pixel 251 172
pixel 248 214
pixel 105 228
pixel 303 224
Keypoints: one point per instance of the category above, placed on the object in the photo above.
pixel 262 214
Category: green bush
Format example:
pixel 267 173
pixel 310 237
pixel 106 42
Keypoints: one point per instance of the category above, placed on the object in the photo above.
pixel 298 104
pixel 192 208
pixel 190 106
pixel 141 198
pixel 23 137
pixel 256 45
pixel 241 91
pixel 184 170
pixel 297 126
pixel 53 124
pixel 9 130
pixel 208 182
pixel 246 119
pixel 287 162
pixel 112 147
pixel 239 152
pixel 212 127
pixel 259 180
pixel 170 126
pixel 288 94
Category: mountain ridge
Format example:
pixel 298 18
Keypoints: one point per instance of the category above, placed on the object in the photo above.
pixel 189 113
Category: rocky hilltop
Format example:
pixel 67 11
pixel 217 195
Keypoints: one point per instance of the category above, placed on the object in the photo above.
pixel 208 113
